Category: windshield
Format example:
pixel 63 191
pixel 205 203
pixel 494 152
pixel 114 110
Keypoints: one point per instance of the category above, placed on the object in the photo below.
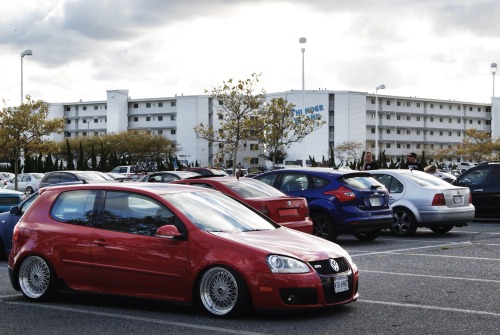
pixel 216 212
pixel 426 179
pixel 252 189
pixel 94 176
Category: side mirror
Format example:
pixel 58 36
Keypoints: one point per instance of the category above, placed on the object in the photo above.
pixel 168 231
pixel 14 210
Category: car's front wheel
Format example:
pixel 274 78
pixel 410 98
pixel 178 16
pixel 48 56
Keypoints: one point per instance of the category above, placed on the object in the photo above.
pixel 404 222
pixel 29 190
pixel 441 229
pixel 36 279
pixel 223 293
pixel 323 226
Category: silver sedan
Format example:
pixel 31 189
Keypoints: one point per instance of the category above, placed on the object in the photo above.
pixel 419 199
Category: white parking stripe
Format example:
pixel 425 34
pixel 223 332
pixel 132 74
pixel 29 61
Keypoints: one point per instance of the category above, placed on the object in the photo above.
pixel 449 256
pixel 136 318
pixel 430 276
pixel 447 309
pixel 409 249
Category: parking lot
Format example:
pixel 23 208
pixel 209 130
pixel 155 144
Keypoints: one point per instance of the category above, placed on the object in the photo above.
pixel 426 284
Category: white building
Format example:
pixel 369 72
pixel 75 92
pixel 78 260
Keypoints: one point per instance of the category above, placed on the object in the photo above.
pixel 405 124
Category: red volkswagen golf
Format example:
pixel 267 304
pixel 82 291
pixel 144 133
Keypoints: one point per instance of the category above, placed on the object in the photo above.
pixel 177 243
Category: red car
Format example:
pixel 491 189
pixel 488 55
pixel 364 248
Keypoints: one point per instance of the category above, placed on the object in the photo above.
pixel 291 212
pixel 173 242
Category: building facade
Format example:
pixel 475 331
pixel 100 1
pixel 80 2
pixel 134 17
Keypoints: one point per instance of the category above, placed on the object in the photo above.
pixel 405 124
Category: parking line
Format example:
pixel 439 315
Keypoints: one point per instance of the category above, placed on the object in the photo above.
pixel 449 256
pixel 446 309
pixel 409 249
pixel 432 276
pixel 141 319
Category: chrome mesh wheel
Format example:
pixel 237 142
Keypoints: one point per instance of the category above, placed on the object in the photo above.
pixel 219 291
pixel 34 277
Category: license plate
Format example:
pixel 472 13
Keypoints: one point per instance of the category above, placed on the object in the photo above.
pixel 375 201
pixel 340 284
pixel 458 199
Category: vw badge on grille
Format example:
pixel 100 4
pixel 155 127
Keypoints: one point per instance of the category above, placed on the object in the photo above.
pixel 334 265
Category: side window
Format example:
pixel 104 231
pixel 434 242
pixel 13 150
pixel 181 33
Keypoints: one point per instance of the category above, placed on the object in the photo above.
pixel 67 177
pixel 319 182
pixel 294 182
pixel 54 177
pixel 155 178
pixel 203 185
pixel 168 178
pixel 269 180
pixel 134 213
pixel 75 207
pixel 475 177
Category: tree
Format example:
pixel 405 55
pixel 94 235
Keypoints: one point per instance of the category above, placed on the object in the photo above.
pixel 349 151
pixel 478 146
pixel 26 129
pixel 281 127
pixel 239 104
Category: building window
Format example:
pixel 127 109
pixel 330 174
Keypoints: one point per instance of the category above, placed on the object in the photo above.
pixel 136 105
pixel 373 130
pixel 418 118
pixel 459 121
pixel 449 107
pixel 68 134
pixel 440 106
pixel 459 108
pixel 398 117
pixel 172 103
pixel 479 109
pixel 432 118
pixel 470 109
pixel 398 103
pixel 254 160
pixel 68 109
pixel 148 118
pixel 373 101
pixel 96 108
pixel 418 104
pixel 388 116
pixel 84 108
pixel 84 120
pixel 431 132
pixel 136 119
pixel 160 132
pixel 388 145
pixel 408 132
pixel 449 120
pixel 440 133
pixel 418 146
pixel 160 118
pixel 408 104
pixel 84 133
pixel 449 133
pixel 172 117
pixel 388 102
pixel 68 121
pixel 172 132
pixel 221 116
pixel 440 119
pixel 254 147
pixel 96 120
pixel 388 130
pixel 221 103
pixel 478 121
pixel 408 118
pixel 432 105
pixel 398 131
pixel 408 146
pixel 398 146
pixel 160 104
pixel 470 121
pixel 418 132
pixel 148 104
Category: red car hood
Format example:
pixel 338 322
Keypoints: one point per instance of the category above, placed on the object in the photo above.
pixel 288 242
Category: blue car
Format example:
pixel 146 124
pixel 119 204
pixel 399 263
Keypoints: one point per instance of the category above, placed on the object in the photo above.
pixel 7 222
pixel 340 201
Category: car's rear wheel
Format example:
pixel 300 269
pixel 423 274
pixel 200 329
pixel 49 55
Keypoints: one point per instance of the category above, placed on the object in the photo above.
pixel 223 293
pixel 323 226
pixel 368 236
pixel 36 279
pixel 441 229
pixel 404 222
pixel 30 190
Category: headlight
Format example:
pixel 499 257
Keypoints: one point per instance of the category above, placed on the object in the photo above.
pixel 283 264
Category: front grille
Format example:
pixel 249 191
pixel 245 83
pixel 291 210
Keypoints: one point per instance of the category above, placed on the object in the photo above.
pixel 325 268
pixel 9 200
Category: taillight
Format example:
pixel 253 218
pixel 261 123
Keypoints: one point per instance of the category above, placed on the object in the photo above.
pixel 438 200
pixel 470 198
pixel 343 194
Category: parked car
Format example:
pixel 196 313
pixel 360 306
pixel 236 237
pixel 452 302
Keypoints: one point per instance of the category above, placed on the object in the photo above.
pixel 290 212
pixel 340 201
pixel 27 182
pixel 9 198
pixel 483 180
pixel 58 177
pixel 7 222
pixel 125 169
pixel 420 199
pixel 4 178
pixel 167 176
pixel 207 171
pixel 121 177
pixel 244 172
pixel 190 245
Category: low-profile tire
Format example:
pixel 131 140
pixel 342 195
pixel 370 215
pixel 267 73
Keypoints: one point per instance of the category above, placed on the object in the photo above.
pixel 29 190
pixel 223 293
pixel 404 222
pixel 323 226
pixel 441 229
pixel 36 279
pixel 369 235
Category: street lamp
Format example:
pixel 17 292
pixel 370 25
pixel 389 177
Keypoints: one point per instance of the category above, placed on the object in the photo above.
pixel 27 52
pixel 303 40
pixel 381 87
pixel 493 71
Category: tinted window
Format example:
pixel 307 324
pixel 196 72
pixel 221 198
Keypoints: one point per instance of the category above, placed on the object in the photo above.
pixel 391 184
pixel 252 189
pixel 76 207
pixel 476 176
pixel 134 213
pixel 68 177
pixel 54 178
pixel 268 179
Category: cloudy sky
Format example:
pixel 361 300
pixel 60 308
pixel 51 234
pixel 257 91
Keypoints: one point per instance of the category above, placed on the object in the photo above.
pixel 158 48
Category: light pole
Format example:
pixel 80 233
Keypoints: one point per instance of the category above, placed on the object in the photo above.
pixel 27 52
pixel 303 40
pixel 493 71
pixel 381 87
